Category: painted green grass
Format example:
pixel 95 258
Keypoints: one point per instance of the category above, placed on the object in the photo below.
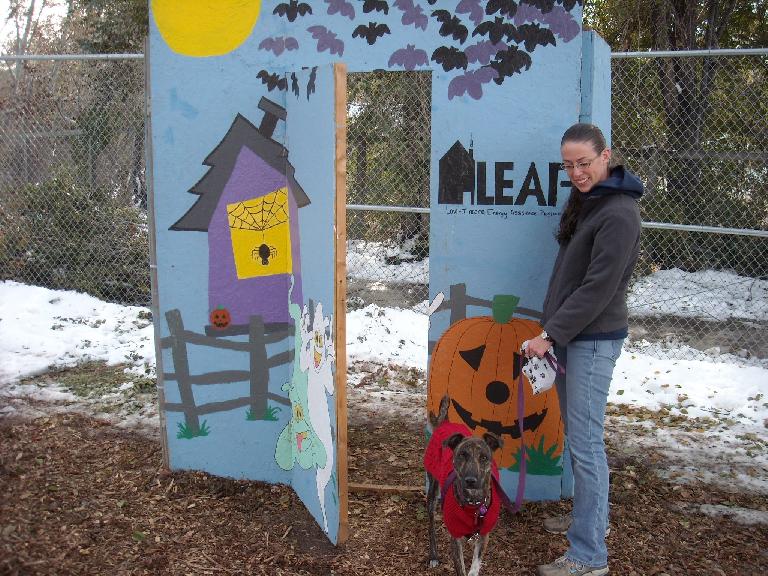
pixel 186 432
pixel 270 414
pixel 539 462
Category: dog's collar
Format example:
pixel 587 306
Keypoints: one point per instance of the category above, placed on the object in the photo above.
pixel 481 510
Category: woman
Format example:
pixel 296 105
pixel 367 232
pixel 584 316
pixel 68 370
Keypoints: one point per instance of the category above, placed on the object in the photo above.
pixel 585 319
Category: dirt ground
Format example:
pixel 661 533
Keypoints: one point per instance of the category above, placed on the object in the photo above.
pixel 79 496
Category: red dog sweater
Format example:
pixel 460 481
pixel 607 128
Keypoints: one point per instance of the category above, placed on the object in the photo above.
pixel 461 521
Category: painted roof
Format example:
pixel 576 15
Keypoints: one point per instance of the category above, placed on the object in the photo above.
pixel 222 161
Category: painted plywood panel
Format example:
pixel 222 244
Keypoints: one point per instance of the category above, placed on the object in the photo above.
pixel 246 286
pixel 243 158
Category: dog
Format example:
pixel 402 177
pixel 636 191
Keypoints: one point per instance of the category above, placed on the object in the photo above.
pixel 461 467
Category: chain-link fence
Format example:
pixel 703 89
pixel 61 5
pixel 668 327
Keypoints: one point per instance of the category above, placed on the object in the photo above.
pixel 73 196
pixel 694 126
pixel 388 155
pixel 72 190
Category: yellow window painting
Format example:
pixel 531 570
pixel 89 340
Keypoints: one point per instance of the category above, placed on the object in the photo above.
pixel 261 235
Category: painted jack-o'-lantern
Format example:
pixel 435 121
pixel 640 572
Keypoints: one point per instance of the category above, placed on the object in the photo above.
pixel 220 318
pixel 477 364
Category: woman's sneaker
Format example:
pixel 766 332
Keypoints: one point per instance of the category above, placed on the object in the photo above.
pixel 560 525
pixel 564 566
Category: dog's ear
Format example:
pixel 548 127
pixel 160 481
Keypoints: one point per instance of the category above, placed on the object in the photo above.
pixel 453 441
pixel 493 441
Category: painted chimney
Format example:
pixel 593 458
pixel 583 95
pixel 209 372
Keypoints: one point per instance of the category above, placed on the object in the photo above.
pixel 272 113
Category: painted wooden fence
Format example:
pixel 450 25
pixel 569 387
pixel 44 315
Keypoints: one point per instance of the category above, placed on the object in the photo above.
pixel 259 335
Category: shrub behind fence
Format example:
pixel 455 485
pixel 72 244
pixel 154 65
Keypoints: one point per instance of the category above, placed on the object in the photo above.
pixel 72 188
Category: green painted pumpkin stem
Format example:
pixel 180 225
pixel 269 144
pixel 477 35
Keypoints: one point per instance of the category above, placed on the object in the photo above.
pixel 504 306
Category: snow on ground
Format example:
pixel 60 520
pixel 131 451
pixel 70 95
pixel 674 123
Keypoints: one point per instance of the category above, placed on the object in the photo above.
pixel 388 335
pixel 707 415
pixel 708 294
pixel 41 328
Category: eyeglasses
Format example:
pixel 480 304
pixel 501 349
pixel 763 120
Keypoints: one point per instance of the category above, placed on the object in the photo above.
pixel 579 165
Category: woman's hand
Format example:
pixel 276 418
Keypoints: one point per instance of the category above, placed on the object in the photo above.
pixel 537 347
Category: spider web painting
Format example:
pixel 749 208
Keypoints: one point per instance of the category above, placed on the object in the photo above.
pixel 260 214
pixel 260 231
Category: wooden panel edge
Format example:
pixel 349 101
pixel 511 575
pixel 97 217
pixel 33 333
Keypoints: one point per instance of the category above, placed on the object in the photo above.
pixel 340 295
pixel 155 305
pixel 384 488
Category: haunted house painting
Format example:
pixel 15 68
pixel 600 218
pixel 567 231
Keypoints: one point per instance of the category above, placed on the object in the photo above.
pixel 249 201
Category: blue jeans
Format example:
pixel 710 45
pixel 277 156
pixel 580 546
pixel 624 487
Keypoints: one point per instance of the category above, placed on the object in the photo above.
pixel 583 394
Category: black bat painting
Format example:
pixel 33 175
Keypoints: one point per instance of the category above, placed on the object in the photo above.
pixel 371 32
pixel 495 30
pixel 451 58
pixel 292 9
pixel 377 5
pixel 311 82
pixel 532 35
pixel 272 80
pixel 509 62
pixel 451 25
pixel 506 8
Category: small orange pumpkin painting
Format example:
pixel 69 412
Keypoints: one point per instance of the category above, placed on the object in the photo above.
pixel 477 364
pixel 220 318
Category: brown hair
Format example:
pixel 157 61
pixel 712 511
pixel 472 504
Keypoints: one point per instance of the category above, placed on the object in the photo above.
pixel 580 132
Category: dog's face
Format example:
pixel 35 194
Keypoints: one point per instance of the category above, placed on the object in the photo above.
pixel 472 458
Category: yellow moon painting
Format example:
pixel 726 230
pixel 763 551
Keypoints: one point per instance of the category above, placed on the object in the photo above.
pixel 205 27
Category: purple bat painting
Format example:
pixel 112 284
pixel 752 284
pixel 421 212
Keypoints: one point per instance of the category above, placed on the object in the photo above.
pixel 341 7
pixel 558 20
pixel 473 8
pixel 409 58
pixel 562 23
pixel 527 13
pixel 326 40
pixel 279 44
pixel 471 83
pixel 412 14
pixel 483 52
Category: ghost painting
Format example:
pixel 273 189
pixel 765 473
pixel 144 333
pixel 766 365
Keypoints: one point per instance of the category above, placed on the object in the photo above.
pixel 307 438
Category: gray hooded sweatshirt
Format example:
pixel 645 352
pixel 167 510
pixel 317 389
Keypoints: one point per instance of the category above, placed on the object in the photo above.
pixel 586 298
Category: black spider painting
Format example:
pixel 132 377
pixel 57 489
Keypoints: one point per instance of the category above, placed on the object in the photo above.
pixel 263 253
